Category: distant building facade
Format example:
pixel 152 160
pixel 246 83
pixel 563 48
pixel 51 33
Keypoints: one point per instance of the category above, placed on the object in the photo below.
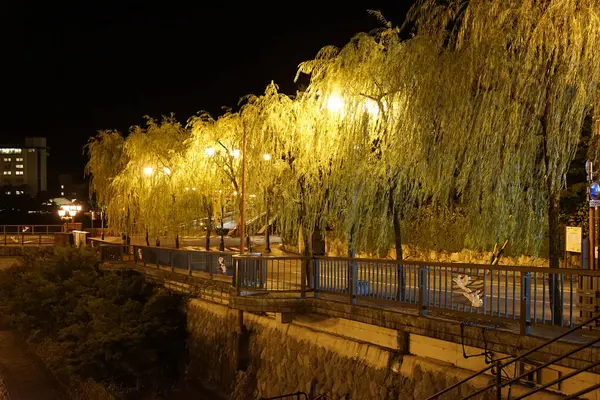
pixel 71 189
pixel 24 167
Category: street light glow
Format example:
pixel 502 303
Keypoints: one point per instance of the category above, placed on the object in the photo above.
pixel 266 156
pixel 167 171
pixel 148 171
pixel 210 151
pixel 372 107
pixel 235 153
pixel 335 103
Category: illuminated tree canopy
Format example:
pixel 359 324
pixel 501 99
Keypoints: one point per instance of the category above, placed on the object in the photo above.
pixel 475 118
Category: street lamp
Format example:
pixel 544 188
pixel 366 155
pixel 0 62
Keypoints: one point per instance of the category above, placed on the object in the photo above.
pixel 148 171
pixel 68 213
pixel 335 103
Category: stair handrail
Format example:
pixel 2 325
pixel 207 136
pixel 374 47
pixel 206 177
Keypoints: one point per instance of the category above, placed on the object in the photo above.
pixel 520 357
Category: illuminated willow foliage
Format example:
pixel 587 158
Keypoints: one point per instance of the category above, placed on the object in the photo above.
pixel 477 115
pixel 514 83
pixel 106 160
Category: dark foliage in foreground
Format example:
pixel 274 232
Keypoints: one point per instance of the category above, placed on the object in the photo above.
pixel 112 327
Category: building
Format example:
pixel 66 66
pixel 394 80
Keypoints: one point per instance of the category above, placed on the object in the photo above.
pixel 71 189
pixel 24 168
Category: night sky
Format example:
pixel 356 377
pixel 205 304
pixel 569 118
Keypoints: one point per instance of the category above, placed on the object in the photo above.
pixel 69 70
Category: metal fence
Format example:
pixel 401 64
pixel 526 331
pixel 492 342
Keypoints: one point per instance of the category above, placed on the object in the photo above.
pixel 530 295
pixel 211 263
pixel 278 274
pixel 23 235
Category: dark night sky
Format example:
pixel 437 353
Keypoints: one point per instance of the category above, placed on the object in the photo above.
pixel 69 70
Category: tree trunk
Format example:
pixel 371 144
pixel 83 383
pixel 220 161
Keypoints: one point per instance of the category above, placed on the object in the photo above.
pixel 554 245
pixel 177 240
pixel 147 239
pixel 400 280
pixel 306 252
pixel 209 225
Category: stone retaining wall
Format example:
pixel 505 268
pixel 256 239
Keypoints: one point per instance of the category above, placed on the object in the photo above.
pixel 287 358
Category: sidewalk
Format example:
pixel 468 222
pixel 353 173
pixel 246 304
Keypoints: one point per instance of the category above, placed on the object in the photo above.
pixel 24 375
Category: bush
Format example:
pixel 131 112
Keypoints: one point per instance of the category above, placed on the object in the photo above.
pixel 112 327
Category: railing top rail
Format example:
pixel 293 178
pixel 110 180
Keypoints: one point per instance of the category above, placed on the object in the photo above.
pixel 17 225
pixel 249 257
pixel 516 268
pixel 109 244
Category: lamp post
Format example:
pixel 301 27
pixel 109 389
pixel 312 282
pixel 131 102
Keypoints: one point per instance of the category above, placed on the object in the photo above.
pixel 68 213
pixel 267 157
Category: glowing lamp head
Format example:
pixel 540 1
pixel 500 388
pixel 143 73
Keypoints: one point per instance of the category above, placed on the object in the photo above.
pixel 235 153
pixel 148 171
pixel 266 157
pixel 210 151
pixel 335 103
pixel 167 171
pixel 61 213
pixel 372 107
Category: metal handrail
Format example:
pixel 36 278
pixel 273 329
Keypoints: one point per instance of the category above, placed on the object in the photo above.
pixel 520 357
pixel 293 395
pixel 515 268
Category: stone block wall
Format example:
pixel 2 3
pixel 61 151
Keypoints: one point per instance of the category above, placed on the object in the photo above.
pixel 287 358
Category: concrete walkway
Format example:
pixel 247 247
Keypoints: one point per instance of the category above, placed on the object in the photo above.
pixel 24 375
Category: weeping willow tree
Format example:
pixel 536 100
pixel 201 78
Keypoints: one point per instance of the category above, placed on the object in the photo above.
pixel 375 173
pixel 106 160
pixel 527 74
pixel 140 179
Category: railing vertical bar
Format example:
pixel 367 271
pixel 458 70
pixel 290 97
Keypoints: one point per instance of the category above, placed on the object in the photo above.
pixel 441 287
pixel 484 291
pixel 571 302
pixel 505 294
pixel 514 294
pixel 451 289
pixel 552 296
pixel 491 293
pixel 562 299
pixel 543 298
pixel 534 297
pixel 499 291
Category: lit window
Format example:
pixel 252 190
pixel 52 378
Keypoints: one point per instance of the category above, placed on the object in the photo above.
pixel 8 159
pixel 10 151
pixel 30 150
pixel 17 172
pixel 19 165
pixel 18 159
pixel 62 186
pixel 62 193
pixel 7 172
pixel 7 192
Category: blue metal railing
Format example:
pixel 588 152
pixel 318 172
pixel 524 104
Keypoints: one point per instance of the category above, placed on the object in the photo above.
pixel 527 295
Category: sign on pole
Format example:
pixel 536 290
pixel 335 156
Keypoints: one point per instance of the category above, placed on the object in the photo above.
pixel 573 239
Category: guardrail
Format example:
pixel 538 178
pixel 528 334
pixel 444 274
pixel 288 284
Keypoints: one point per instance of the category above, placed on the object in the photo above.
pixel 211 263
pixel 23 235
pixel 530 295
